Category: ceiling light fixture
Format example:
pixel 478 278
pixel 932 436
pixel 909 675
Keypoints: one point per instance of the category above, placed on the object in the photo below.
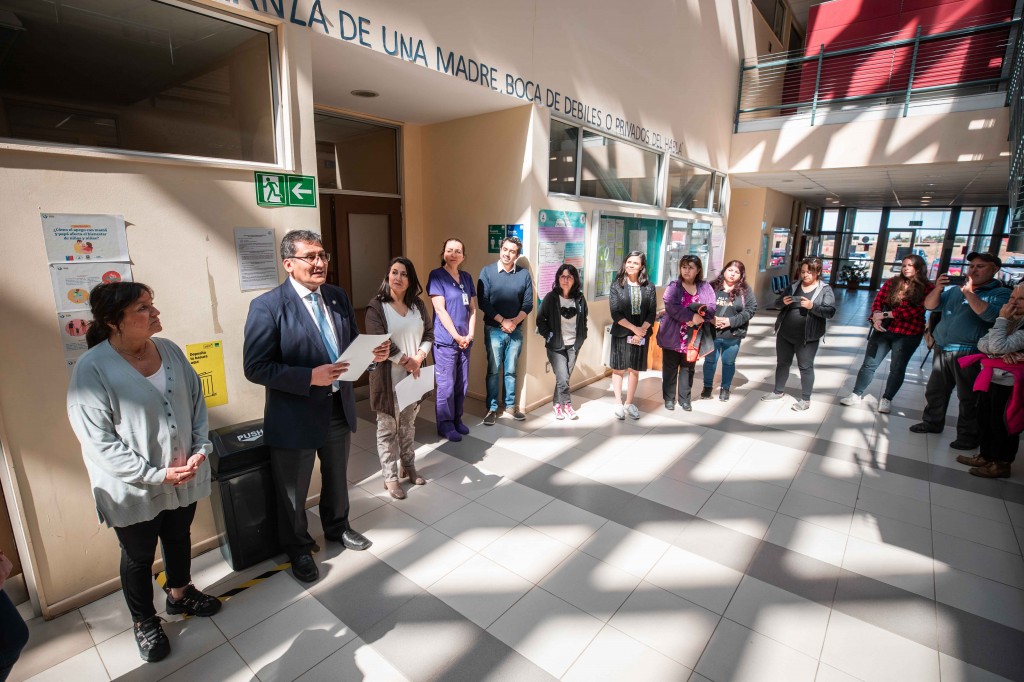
pixel 368 94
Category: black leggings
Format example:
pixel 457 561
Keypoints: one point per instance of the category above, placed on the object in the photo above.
pixel 997 443
pixel 804 352
pixel 138 548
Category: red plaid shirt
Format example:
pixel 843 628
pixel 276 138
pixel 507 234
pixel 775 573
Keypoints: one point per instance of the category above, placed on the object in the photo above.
pixel 906 318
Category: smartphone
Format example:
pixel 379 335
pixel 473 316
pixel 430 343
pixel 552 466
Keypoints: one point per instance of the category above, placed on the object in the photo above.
pixel 957 280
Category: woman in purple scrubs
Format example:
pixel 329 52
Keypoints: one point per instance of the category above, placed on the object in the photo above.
pixel 454 299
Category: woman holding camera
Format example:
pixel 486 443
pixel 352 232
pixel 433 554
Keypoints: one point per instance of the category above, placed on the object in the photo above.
pixel 735 305
pixel 632 301
pixel 798 330
pixel 689 300
pixel 897 325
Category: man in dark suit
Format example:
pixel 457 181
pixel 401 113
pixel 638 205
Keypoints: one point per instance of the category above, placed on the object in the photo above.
pixel 294 335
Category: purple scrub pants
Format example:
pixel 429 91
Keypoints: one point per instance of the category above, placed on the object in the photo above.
pixel 451 376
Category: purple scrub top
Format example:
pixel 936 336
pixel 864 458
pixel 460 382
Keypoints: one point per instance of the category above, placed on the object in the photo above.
pixel 440 283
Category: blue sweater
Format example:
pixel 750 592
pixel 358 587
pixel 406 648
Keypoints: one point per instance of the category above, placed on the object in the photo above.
pixel 960 327
pixel 504 293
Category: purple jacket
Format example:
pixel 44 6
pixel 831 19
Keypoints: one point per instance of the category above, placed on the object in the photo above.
pixel 676 314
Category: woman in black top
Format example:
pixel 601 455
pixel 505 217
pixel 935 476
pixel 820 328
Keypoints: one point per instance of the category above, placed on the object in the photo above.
pixel 562 321
pixel 632 301
pixel 735 304
pixel 799 328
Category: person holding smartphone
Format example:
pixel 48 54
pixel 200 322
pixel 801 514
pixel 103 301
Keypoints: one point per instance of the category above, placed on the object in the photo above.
pixel 798 330
pixel 968 312
pixel 632 301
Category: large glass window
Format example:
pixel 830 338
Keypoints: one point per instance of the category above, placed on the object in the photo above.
pixel 718 198
pixel 618 170
pixel 859 245
pixel 562 158
pixel 929 232
pixel 136 75
pixel 688 185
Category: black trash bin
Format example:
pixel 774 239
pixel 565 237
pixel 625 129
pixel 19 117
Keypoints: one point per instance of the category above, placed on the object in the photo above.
pixel 244 508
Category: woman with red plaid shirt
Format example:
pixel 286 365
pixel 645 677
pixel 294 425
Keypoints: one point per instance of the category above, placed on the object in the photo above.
pixel 897 321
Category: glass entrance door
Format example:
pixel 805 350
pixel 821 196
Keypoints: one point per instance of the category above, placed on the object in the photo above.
pixel 899 245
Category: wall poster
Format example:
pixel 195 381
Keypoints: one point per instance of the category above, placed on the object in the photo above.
pixel 561 239
pixel 617 235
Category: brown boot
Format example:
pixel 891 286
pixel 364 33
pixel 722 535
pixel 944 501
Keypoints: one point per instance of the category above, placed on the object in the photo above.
pixel 975 461
pixel 410 473
pixel 395 489
pixel 992 470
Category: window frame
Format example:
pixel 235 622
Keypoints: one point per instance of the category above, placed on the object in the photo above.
pixel 280 94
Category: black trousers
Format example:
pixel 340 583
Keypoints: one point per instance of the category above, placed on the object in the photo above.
pixel 947 375
pixel 138 548
pixel 13 635
pixel 997 443
pixel 293 470
pixel 672 363
pixel 804 352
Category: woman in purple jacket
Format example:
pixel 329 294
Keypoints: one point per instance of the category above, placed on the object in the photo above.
pixel 683 297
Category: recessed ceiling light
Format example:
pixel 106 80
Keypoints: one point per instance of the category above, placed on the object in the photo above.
pixel 369 94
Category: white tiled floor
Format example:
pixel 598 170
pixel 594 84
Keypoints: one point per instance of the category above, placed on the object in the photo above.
pixel 742 541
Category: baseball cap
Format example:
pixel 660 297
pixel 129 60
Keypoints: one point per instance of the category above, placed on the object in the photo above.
pixel 985 256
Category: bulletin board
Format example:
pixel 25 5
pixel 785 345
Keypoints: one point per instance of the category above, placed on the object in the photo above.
pixel 616 235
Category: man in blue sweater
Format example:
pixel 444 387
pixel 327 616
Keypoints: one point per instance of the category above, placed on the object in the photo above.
pixel 505 293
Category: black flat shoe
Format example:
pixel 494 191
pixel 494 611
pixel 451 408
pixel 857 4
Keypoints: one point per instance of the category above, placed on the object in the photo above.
pixel 706 393
pixel 670 404
pixel 925 427
pixel 685 404
pixel 963 445
pixel 304 568
pixel 723 395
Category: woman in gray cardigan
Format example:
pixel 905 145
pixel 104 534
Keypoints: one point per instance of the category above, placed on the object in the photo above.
pixel 137 407
pixel 397 309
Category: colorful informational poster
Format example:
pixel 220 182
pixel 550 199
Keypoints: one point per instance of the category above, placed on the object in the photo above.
pixel 561 238
pixel 257 256
pixel 207 358
pixel 73 326
pixel 72 282
pixel 80 238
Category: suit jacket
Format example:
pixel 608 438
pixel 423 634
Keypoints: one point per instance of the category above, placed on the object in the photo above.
pixel 282 346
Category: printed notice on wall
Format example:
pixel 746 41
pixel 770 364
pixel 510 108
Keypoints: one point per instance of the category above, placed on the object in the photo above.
pixel 72 282
pixel 717 251
pixel 561 238
pixel 81 238
pixel 73 326
pixel 207 358
pixel 611 233
pixel 256 251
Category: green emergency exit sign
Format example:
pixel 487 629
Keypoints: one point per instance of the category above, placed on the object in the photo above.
pixel 279 189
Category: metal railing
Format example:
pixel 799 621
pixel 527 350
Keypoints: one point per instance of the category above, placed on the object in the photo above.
pixel 934 63
pixel 1015 99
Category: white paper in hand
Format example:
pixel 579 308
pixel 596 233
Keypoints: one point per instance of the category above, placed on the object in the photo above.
pixel 359 355
pixel 411 389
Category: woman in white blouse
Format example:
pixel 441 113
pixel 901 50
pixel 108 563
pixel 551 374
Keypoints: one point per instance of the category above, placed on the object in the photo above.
pixel 397 309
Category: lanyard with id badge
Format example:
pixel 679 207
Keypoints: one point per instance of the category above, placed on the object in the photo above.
pixel 465 296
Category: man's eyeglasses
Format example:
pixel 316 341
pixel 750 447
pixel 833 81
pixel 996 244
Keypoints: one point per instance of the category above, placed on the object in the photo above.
pixel 312 258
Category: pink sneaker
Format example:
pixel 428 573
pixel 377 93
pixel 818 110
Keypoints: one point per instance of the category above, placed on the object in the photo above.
pixel 569 412
pixel 558 412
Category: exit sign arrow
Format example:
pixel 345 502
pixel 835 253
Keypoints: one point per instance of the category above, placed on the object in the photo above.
pixel 278 189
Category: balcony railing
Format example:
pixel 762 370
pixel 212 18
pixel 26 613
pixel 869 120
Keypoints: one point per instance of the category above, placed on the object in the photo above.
pixel 894 70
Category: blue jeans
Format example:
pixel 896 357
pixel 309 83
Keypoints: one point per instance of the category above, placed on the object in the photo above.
pixel 13 635
pixel 502 357
pixel 879 345
pixel 728 349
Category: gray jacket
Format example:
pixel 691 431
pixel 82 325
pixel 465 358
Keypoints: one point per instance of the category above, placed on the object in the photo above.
pixel 131 432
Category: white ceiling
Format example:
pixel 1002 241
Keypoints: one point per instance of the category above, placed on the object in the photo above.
pixel 409 93
pixel 981 183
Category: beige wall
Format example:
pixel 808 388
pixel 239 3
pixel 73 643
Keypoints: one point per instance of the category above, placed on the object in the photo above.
pixel 749 210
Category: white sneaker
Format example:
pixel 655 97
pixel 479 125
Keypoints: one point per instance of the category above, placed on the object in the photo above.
pixel 852 399
pixel 632 411
pixel 884 406
pixel 619 412
pixel 558 412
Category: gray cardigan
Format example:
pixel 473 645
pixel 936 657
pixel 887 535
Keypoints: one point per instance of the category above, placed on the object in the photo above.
pixel 131 432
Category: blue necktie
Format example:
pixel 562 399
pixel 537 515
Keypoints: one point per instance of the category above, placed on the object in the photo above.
pixel 325 329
